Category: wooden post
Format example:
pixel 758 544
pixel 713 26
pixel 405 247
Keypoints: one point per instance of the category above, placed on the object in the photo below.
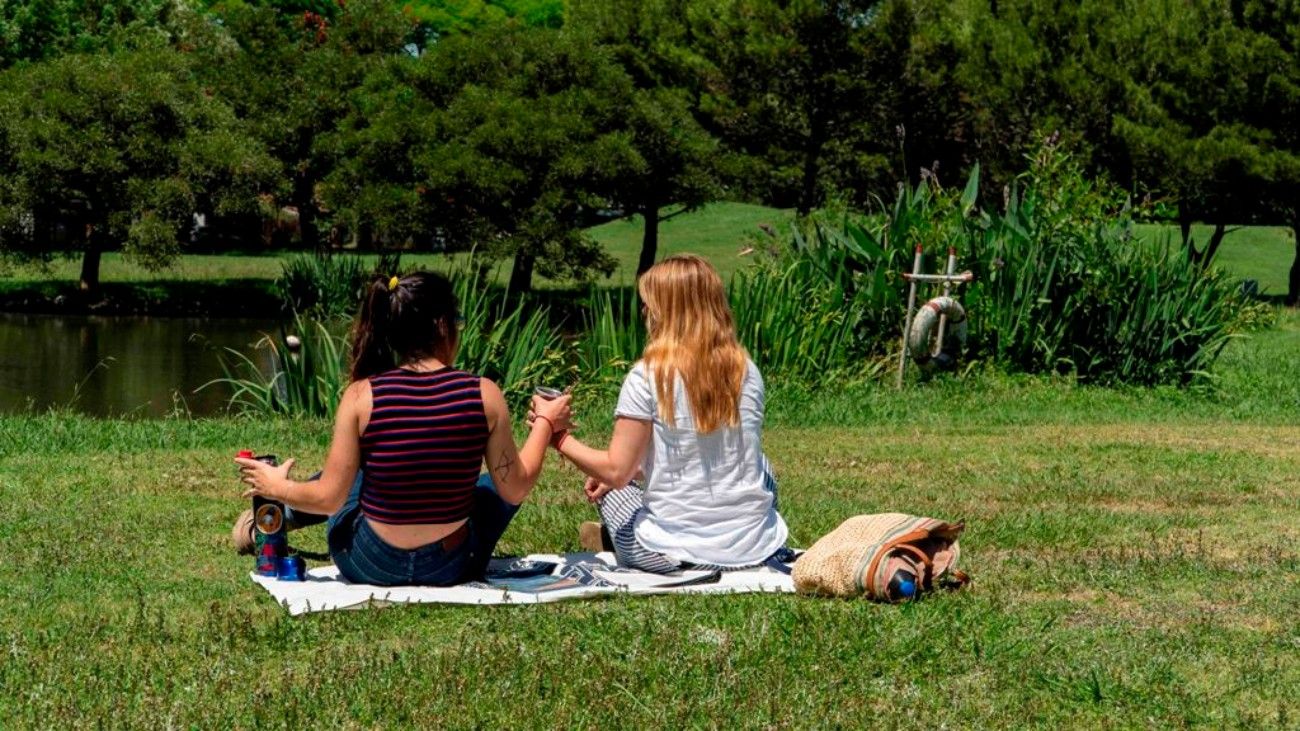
pixel 907 323
pixel 947 290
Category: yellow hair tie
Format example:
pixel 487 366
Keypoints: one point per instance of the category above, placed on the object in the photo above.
pixel 392 284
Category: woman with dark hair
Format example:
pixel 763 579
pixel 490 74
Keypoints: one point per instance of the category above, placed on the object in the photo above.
pixel 402 489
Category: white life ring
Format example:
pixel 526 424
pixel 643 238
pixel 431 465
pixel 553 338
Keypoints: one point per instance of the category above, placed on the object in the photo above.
pixel 926 322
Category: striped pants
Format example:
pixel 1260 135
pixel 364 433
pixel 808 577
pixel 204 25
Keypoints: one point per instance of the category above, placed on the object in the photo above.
pixel 619 510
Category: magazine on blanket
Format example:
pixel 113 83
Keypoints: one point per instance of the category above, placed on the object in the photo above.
pixel 536 577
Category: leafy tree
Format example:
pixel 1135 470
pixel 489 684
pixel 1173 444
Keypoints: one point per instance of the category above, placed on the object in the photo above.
pixel 675 157
pixel 804 89
pixel 932 113
pixel 444 17
pixel 1195 123
pixel 1278 22
pixel 1027 69
pixel 506 140
pixel 288 8
pixel 123 148
pixel 31 30
pixel 290 77
pixel 1183 100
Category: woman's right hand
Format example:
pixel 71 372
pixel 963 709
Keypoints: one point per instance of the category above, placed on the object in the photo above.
pixel 556 411
pixel 264 480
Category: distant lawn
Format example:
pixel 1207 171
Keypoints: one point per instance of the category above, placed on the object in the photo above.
pixel 1262 253
pixel 719 232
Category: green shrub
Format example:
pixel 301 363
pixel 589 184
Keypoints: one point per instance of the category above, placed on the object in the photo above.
pixel 323 285
pixel 1062 285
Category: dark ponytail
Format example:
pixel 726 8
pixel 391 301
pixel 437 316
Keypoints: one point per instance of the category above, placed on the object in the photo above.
pixel 401 320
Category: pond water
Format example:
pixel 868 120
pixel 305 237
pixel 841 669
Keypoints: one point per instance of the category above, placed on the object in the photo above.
pixel 115 366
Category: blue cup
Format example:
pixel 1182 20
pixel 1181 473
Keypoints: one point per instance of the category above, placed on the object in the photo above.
pixel 291 568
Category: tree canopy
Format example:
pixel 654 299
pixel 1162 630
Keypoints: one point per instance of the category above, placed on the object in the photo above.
pixel 117 148
pixel 506 140
pixel 508 125
pixel 31 30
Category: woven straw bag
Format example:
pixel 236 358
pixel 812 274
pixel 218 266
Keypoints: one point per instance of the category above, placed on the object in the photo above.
pixel 860 556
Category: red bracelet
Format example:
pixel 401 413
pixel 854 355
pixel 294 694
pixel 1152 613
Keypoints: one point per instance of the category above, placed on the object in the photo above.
pixel 548 421
pixel 557 440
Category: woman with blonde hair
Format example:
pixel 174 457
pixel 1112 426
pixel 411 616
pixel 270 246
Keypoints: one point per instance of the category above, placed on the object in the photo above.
pixel 689 421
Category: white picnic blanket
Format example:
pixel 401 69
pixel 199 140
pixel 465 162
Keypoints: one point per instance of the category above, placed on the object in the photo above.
pixel 534 579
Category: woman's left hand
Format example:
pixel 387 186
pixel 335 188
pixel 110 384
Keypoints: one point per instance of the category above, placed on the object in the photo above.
pixel 264 480
pixel 595 489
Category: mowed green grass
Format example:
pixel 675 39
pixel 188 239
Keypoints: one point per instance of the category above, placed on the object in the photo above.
pixel 1262 253
pixel 719 232
pixel 1134 555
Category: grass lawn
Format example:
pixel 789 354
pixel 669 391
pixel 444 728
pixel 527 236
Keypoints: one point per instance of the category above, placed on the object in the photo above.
pixel 1262 253
pixel 717 231
pixel 1134 555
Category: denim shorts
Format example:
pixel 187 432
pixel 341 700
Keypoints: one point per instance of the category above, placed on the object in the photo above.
pixel 364 558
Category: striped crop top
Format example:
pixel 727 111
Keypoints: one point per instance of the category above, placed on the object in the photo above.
pixel 423 448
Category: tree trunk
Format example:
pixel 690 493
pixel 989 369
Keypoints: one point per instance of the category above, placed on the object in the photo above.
pixel 521 275
pixel 365 236
pixel 1293 290
pixel 304 199
pixel 304 192
pixel 808 193
pixel 1206 256
pixel 649 238
pixel 89 283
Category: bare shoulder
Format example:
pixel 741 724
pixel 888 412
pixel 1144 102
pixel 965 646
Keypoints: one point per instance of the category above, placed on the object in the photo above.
pixel 494 402
pixel 355 405
pixel 490 389
pixel 357 392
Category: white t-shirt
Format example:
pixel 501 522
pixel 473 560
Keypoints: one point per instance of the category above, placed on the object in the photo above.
pixel 704 493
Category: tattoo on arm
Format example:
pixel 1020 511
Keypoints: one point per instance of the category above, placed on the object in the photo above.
pixel 502 470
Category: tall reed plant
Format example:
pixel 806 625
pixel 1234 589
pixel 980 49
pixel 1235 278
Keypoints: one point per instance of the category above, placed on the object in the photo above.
pixel 508 340
pixel 794 322
pixel 611 339
pixel 1062 285
pixel 304 373
pixel 322 285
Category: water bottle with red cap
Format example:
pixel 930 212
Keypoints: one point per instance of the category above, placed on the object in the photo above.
pixel 271 541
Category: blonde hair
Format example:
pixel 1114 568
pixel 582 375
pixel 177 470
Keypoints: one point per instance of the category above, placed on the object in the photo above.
pixel 692 335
